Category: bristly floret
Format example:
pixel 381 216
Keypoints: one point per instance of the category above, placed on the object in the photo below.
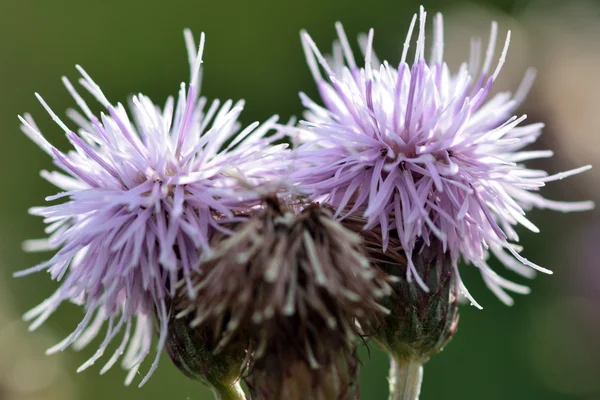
pixel 141 195
pixel 419 151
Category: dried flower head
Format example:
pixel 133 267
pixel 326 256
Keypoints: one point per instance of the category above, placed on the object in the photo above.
pixel 425 153
pixel 141 194
pixel 291 282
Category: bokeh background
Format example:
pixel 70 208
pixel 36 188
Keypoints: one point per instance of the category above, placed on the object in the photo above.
pixel 544 347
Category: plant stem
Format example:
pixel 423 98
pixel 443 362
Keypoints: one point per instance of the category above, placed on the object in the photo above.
pixel 234 392
pixel 406 376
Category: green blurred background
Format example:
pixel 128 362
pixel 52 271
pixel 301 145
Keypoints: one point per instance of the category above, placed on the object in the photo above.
pixel 544 347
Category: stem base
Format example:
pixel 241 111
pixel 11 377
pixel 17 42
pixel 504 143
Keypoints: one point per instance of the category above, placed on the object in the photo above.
pixel 406 376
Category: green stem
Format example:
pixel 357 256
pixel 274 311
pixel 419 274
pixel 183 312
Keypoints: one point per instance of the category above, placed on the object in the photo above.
pixel 233 392
pixel 406 376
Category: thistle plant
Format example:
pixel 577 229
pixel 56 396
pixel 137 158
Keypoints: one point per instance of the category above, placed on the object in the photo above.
pixel 257 264
pixel 430 162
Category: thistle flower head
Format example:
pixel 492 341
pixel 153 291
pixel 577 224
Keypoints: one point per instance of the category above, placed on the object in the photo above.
pixel 291 282
pixel 140 193
pixel 425 153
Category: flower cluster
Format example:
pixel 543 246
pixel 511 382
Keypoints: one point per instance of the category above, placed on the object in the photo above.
pixel 242 254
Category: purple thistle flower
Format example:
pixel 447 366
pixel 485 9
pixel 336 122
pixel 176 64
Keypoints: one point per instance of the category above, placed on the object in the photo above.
pixel 142 194
pixel 424 153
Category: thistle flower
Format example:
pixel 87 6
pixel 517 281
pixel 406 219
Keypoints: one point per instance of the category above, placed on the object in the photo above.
pixel 291 282
pixel 424 153
pixel 141 196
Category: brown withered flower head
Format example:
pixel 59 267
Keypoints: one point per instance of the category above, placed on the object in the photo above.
pixel 297 289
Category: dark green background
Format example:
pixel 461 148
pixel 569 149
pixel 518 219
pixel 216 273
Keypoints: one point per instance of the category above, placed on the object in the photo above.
pixel 253 52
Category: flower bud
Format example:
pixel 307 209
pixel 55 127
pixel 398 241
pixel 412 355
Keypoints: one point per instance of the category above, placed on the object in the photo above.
pixel 192 350
pixel 420 323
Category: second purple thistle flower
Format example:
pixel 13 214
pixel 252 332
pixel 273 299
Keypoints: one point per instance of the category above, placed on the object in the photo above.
pixel 140 197
pixel 425 154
